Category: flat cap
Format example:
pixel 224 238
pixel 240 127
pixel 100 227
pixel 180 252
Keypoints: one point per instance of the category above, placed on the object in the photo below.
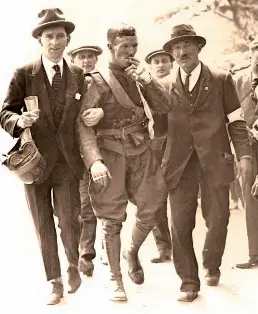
pixel 157 52
pixel 96 49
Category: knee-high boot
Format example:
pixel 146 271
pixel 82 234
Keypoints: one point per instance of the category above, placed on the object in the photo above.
pixel 112 244
pixel 135 270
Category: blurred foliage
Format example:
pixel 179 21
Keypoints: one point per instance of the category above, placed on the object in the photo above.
pixel 239 18
pixel 243 13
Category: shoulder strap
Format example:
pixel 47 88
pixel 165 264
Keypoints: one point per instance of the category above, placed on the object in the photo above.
pixel 118 91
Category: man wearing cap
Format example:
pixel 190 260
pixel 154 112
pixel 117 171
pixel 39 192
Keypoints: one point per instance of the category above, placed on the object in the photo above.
pixel 160 63
pixel 247 88
pixel 58 86
pixel 205 105
pixel 122 165
pixel 86 57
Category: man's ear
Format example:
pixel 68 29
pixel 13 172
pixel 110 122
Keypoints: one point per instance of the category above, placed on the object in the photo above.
pixel 110 47
pixel 68 40
pixel 39 40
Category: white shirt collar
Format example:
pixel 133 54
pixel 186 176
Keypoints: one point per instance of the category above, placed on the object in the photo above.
pixel 48 65
pixel 195 74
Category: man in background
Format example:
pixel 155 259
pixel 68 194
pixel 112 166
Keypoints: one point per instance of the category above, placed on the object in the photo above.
pixel 161 63
pixel 86 57
pixel 246 81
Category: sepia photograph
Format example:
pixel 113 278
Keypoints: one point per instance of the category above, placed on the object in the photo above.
pixel 129 156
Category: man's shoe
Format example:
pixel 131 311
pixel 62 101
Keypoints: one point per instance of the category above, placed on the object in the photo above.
pixel 187 296
pixel 163 257
pixel 118 292
pixel 252 263
pixel 74 279
pixel 86 267
pixel 212 277
pixel 56 294
pixel 135 270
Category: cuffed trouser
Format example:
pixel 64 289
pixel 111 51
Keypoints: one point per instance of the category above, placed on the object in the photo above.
pixel 66 201
pixel 138 179
pixel 215 209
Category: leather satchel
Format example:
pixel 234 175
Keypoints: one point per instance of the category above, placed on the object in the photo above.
pixel 24 160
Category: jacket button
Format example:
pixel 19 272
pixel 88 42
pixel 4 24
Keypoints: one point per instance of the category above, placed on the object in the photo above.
pixel 191 147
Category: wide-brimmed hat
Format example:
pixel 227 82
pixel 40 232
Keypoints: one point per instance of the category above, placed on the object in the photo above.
pixel 96 49
pixel 157 52
pixel 183 32
pixel 52 17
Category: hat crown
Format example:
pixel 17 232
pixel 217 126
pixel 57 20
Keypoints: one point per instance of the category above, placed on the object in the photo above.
pixel 50 15
pixel 182 30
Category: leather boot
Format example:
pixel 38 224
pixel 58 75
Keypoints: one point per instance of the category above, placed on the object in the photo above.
pixel 112 244
pixel 86 267
pixel 135 270
pixel 163 257
pixel 57 293
pixel 74 279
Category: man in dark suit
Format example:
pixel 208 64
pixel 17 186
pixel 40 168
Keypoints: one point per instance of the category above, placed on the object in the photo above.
pixel 247 88
pixel 160 63
pixel 205 105
pixel 58 86
pixel 86 57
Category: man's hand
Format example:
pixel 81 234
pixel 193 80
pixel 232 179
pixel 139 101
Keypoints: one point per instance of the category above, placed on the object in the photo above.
pixel 100 173
pixel 92 116
pixel 28 118
pixel 137 72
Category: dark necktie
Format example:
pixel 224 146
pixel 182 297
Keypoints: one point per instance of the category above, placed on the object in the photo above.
pixel 187 82
pixel 56 82
pixel 254 84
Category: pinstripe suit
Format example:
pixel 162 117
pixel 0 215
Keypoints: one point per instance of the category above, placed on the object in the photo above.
pixel 55 139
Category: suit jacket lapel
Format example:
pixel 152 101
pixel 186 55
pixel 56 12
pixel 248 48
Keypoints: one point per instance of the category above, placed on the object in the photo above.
pixel 39 88
pixel 205 87
pixel 177 89
pixel 71 90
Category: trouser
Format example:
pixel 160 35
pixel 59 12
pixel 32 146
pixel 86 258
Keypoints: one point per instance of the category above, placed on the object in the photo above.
pixel 235 188
pixel 215 210
pixel 161 231
pixel 138 179
pixel 66 201
pixel 88 221
pixel 252 207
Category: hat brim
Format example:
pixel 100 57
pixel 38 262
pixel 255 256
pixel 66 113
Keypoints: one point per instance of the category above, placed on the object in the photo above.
pixel 97 50
pixel 69 26
pixel 173 41
pixel 151 55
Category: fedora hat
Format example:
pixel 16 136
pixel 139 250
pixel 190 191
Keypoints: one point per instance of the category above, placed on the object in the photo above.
pixel 96 49
pixel 183 32
pixel 52 17
pixel 157 52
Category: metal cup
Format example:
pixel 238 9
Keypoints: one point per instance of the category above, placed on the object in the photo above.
pixel 32 103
